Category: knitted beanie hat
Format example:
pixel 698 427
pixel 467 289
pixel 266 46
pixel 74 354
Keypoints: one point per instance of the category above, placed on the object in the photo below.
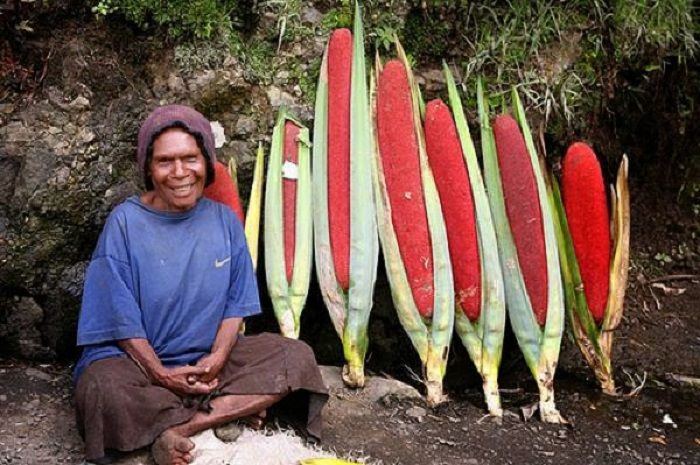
pixel 173 116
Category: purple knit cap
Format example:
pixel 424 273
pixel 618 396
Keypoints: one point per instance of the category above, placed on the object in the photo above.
pixel 169 116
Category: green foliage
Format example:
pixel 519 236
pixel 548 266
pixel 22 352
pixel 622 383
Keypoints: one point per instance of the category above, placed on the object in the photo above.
pixel 288 13
pixel 561 53
pixel 201 54
pixel 382 24
pixel 655 29
pixel 337 18
pixel 384 37
pixel 536 44
pixel 564 56
pixel 181 18
pixel 663 259
pixel 258 57
pixel 307 77
pixel 427 35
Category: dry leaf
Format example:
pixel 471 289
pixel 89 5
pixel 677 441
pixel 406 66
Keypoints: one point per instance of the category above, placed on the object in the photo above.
pixel 669 290
pixel 529 410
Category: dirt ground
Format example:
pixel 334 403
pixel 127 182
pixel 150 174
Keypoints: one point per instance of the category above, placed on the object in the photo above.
pixel 658 426
pixel 659 339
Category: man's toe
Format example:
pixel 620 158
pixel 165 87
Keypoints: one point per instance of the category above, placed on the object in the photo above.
pixel 183 444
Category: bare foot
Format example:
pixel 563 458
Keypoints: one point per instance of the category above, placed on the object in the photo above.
pixel 255 421
pixel 229 432
pixel 172 449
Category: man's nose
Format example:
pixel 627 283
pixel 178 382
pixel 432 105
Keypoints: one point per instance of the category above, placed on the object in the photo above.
pixel 179 168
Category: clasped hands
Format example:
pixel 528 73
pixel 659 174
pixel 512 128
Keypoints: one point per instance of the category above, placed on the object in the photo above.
pixel 201 378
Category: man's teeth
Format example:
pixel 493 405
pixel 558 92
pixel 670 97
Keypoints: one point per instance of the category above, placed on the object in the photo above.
pixel 182 189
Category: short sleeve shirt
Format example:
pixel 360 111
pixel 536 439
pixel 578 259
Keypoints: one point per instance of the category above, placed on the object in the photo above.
pixel 168 277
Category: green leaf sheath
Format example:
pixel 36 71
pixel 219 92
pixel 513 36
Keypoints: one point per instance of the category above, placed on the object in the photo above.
pixel 333 295
pixel 396 273
pixel 288 299
pixel 581 323
pixel 490 326
pixel 252 222
pixel 364 243
pixel 303 252
pixel 274 243
pixel 525 327
pixel 441 326
pixel 554 326
pixel 576 304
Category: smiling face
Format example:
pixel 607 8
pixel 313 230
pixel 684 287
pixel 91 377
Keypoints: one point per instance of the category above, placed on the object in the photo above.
pixel 178 171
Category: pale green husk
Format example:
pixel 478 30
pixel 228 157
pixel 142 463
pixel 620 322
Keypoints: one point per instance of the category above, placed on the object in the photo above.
pixel 349 311
pixel 288 298
pixel 252 217
pixel 596 343
pixel 540 346
pixel 482 338
pixel 430 339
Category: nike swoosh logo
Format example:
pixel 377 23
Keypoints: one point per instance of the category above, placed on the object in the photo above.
pixel 220 263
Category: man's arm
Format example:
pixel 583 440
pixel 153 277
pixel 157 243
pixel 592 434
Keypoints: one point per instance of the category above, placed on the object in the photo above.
pixel 226 337
pixel 181 380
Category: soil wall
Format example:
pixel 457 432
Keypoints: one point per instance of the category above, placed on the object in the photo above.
pixel 75 89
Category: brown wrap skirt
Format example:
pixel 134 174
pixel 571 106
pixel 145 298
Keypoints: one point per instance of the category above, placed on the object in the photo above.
pixel 118 408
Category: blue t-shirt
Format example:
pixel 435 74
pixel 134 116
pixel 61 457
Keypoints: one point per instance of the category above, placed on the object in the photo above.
pixel 169 277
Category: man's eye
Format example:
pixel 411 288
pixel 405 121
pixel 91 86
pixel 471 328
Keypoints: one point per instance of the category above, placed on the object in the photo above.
pixel 191 159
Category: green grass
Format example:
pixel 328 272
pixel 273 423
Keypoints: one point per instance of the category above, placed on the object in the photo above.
pixel 307 79
pixel 188 19
pixel 338 17
pixel 655 29
pixel 560 53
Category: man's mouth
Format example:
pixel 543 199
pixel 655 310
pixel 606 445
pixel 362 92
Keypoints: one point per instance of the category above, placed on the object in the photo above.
pixel 182 190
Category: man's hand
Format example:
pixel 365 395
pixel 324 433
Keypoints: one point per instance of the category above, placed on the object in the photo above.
pixel 226 337
pixel 187 380
pixel 213 364
pixel 180 380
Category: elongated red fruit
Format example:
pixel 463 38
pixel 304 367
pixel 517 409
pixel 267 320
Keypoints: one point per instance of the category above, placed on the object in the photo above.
pixel 223 190
pixel 523 210
pixel 587 213
pixel 289 193
pixel 452 179
pixel 339 75
pixel 398 146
